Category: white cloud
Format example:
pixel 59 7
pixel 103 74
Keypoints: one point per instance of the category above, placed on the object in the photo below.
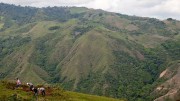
pixel 151 8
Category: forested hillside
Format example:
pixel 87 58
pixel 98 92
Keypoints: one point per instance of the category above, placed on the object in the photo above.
pixel 89 51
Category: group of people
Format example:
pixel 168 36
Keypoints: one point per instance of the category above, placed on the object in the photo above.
pixel 32 88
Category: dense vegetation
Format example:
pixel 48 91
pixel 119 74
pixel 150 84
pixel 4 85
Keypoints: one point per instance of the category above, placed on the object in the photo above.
pixel 85 50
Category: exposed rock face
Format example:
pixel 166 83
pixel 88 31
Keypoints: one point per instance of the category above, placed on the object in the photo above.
pixel 171 87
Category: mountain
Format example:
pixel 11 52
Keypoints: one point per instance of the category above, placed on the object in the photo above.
pixel 90 51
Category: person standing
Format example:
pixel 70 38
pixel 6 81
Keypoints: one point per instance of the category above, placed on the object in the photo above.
pixel 18 83
pixel 34 89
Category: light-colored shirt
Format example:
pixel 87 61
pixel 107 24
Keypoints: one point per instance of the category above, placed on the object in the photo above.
pixel 30 84
pixel 18 82
pixel 42 89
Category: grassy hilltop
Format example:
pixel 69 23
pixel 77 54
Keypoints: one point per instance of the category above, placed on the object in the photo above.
pixel 52 94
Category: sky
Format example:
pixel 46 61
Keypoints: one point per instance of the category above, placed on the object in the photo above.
pixel 161 9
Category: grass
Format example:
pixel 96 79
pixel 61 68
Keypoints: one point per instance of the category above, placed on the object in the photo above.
pixel 84 97
pixel 42 28
pixel 1 25
pixel 1 17
pixel 148 40
pixel 95 52
pixel 8 93
pixel 75 10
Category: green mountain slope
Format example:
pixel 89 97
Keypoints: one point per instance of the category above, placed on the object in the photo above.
pixel 86 50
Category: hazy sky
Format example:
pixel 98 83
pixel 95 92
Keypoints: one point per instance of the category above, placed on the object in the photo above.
pixel 161 9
